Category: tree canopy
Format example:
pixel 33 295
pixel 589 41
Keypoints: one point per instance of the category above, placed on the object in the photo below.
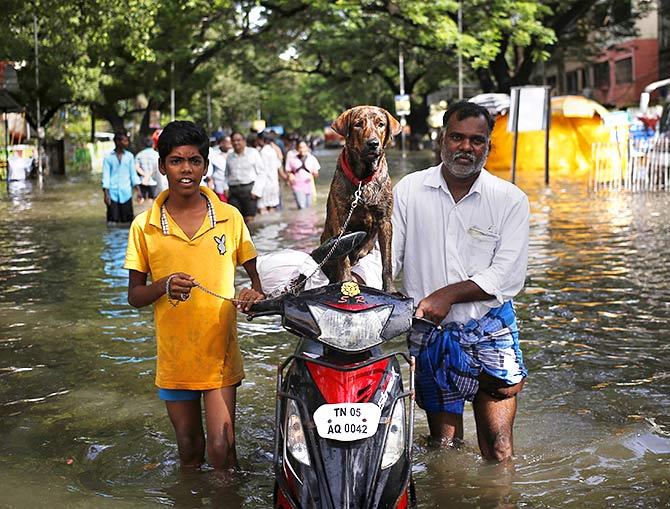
pixel 299 62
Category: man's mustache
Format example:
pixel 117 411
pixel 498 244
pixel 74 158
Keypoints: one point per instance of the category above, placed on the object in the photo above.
pixel 466 155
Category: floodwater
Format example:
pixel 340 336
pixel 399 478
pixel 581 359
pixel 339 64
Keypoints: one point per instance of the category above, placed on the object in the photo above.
pixel 81 426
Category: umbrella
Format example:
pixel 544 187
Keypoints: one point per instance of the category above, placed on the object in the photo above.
pixel 495 103
pixel 577 106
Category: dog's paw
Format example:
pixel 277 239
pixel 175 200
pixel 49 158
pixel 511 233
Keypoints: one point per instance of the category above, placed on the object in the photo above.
pixel 389 287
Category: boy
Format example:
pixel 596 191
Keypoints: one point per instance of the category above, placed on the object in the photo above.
pixel 190 236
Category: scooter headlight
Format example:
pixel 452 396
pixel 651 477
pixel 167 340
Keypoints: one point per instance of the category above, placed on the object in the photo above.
pixel 295 436
pixel 350 331
pixel 395 437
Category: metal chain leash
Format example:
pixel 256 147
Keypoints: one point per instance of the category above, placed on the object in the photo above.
pixel 295 287
pixel 299 284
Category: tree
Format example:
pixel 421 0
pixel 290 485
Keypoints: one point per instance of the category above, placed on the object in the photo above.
pixel 107 54
pixel 300 59
pixel 72 37
pixel 502 40
pixel 338 49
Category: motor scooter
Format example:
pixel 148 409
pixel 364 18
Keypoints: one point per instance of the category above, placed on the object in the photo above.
pixel 343 417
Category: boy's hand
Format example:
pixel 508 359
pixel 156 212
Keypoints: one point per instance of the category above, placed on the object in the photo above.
pixel 247 297
pixel 180 286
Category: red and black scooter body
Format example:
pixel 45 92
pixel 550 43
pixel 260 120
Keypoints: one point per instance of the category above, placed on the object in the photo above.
pixel 344 421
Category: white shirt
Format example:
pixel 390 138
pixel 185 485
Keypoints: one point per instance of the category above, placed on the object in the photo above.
pixel 437 242
pixel 243 168
pixel 271 161
pixel 147 160
pixel 19 167
pixel 217 164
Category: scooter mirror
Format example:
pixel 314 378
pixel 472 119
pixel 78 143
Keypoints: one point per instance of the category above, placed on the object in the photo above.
pixel 334 248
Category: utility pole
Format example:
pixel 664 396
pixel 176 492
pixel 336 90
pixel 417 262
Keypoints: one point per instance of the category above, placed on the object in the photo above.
pixel 401 66
pixel 209 110
pixel 40 131
pixel 172 91
pixel 460 55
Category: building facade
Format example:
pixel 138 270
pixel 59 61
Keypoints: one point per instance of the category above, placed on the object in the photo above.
pixel 620 73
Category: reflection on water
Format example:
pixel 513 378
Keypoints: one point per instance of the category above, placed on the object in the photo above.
pixel 79 418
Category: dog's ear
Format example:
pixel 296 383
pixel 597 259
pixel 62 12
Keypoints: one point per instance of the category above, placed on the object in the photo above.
pixel 394 125
pixel 341 124
pixel 393 128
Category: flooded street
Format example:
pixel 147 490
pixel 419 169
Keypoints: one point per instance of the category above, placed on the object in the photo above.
pixel 81 424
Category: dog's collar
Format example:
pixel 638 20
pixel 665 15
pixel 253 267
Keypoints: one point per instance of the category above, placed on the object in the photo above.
pixel 348 172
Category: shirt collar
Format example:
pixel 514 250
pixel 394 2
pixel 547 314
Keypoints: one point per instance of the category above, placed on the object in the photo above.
pixel 215 210
pixel 434 179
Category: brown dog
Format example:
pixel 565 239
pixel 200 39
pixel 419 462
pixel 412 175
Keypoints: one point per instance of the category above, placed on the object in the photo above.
pixel 367 131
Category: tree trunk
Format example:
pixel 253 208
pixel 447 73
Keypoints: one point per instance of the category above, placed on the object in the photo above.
pixel 485 81
pixel 146 117
pixel 110 114
pixel 92 123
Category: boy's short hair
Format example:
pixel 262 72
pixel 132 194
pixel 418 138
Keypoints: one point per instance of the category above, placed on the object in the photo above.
pixel 182 132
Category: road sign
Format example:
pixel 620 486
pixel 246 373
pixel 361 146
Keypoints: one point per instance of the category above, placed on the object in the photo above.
pixel 402 105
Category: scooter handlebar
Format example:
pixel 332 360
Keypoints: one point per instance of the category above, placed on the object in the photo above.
pixel 265 307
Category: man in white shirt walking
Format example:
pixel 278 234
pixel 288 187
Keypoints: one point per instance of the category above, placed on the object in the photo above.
pixel 243 167
pixel 146 164
pixel 460 238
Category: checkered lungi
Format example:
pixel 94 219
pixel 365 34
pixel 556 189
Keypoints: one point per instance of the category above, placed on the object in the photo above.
pixel 450 358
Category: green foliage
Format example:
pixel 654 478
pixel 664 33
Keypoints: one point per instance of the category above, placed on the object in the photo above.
pixel 233 100
pixel 299 61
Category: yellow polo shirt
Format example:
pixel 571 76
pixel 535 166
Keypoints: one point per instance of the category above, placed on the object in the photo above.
pixel 197 339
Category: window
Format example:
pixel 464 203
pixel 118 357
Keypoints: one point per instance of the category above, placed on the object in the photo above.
pixel 601 75
pixel 623 70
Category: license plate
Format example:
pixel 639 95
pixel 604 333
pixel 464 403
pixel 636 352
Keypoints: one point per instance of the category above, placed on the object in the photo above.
pixel 347 421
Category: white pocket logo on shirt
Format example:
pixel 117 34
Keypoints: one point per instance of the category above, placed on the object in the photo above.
pixel 221 244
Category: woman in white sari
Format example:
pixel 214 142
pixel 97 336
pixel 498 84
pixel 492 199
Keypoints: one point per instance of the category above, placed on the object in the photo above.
pixel 268 183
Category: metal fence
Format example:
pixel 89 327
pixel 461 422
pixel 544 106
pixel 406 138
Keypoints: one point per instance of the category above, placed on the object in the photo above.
pixel 636 166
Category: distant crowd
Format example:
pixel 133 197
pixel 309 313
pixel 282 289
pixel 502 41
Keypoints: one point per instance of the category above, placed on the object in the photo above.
pixel 244 171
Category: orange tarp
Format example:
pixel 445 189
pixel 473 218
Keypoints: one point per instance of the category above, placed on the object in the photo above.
pixel 570 142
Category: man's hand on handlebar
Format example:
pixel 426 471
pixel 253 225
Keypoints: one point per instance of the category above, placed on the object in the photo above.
pixel 246 298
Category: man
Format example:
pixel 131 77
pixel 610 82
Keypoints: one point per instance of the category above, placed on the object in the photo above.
pixel 118 180
pixel 243 167
pixel 460 237
pixel 20 167
pixel 217 160
pixel 147 168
